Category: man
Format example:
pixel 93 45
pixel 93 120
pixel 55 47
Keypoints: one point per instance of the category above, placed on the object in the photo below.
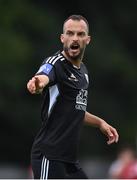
pixel 63 81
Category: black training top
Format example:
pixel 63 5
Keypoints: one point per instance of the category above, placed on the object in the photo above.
pixel 63 109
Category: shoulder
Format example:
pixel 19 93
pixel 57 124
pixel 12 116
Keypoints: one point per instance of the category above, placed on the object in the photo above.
pixel 51 63
pixel 55 59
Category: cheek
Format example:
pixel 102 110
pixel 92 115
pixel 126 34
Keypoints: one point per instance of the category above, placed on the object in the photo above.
pixel 66 42
pixel 83 43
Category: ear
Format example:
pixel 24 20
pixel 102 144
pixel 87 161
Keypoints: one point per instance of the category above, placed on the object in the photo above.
pixel 62 38
pixel 88 39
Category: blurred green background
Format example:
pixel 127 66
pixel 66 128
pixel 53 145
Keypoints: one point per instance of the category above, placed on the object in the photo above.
pixel 29 32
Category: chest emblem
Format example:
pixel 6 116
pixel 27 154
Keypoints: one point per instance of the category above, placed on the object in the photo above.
pixel 72 77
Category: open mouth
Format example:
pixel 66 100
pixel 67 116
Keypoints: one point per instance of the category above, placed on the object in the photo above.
pixel 74 46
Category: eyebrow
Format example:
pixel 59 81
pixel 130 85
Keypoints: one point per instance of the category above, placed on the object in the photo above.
pixel 77 32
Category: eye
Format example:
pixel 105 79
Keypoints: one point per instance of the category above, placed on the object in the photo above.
pixel 69 33
pixel 81 34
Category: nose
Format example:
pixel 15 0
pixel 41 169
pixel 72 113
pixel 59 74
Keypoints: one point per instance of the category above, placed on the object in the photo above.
pixel 75 37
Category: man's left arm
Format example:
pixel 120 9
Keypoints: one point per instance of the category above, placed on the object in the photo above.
pixel 105 128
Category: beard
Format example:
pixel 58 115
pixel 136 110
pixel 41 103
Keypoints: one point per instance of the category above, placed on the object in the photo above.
pixel 75 58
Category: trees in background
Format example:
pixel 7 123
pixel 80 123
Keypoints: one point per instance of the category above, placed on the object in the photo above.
pixel 29 32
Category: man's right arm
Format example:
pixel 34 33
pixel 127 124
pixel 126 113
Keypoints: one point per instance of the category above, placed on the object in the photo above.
pixel 37 83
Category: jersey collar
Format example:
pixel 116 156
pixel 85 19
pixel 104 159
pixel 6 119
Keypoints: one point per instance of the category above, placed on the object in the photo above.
pixel 70 62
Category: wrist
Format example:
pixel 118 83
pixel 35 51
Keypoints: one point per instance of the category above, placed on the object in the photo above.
pixel 101 123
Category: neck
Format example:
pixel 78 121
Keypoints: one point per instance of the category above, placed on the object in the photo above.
pixel 74 62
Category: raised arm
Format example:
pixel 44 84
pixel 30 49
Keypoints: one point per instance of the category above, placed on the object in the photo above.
pixel 105 128
pixel 37 83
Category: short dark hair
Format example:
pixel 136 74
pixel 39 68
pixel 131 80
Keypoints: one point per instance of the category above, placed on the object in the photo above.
pixel 77 18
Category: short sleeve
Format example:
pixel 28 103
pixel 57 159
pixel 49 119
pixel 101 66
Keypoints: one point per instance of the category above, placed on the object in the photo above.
pixel 48 70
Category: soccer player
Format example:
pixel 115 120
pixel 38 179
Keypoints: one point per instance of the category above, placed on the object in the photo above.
pixel 62 79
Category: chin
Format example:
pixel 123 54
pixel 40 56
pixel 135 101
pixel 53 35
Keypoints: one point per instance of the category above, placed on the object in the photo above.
pixel 76 56
pixel 72 56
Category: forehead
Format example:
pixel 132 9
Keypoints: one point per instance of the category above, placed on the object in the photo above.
pixel 75 25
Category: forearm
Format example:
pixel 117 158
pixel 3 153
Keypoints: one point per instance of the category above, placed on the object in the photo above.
pixel 105 128
pixel 93 120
